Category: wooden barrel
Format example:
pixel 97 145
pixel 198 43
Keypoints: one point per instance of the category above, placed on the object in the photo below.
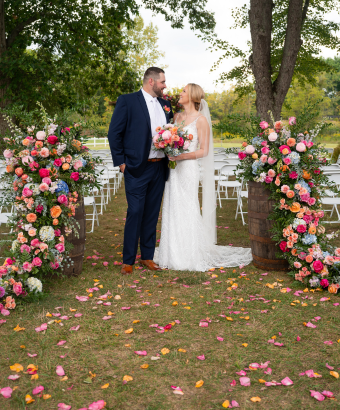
pixel 77 253
pixel 262 246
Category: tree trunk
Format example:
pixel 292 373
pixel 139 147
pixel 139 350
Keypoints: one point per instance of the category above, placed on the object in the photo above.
pixel 270 95
pixel 3 81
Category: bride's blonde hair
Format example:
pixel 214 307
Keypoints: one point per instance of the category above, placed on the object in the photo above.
pixel 196 94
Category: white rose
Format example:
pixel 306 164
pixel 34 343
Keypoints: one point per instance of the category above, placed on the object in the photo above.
pixel 272 137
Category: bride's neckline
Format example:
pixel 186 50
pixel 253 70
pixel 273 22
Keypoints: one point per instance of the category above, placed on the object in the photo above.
pixel 191 121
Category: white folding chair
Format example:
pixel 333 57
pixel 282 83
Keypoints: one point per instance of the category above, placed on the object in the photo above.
pixel 91 201
pixel 226 172
pixel 241 194
pixel 104 180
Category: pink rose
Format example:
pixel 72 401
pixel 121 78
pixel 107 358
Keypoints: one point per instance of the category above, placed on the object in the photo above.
pixel 41 135
pixel 324 283
pixel 8 153
pixel 43 187
pixel 268 179
pixel 155 138
pixel 337 252
pixel 58 162
pixel 78 164
pixel 54 265
pixel 293 175
pixel 43 246
pixel 35 243
pixel 264 125
pixel 317 171
pixel 161 144
pixel 65 129
pixel 44 152
pixel 26 192
pixel 241 155
pixel 25 248
pixel 37 262
pixel 301 228
pixel 283 246
pixel 264 143
pixel 27 266
pixel 57 232
pixel 75 176
pixel 39 209
pixel 187 143
pixel 311 201
pixel 60 247
pixel 297 265
pixel 17 288
pixel 292 121
pixel 271 161
pixel 43 172
pixel 62 199
pixel 272 137
pixel 287 161
pixel 27 160
pixel 46 180
pixel 310 144
pixel 249 150
pixel 317 266
pixel 305 197
pixel 181 142
pixel 285 189
pixel 301 147
pixel 285 147
pixel 166 135
pixel 271 173
pixel 263 159
pixel 265 150
pixel 52 139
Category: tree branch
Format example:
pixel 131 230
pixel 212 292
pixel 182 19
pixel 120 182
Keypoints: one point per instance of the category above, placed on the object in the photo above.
pixel 20 27
pixel 304 11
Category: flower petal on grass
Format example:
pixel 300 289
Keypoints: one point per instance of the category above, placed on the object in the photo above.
pixel 32 355
pixel 328 342
pixel 6 392
pixel 220 339
pixel 38 390
pixel 82 298
pixel 309 324
pixel 201 357
pixel 287 382
pixel 97 405
pixel 199 383
pixel 141 352
pixel 234 404
pixel 13 377
pixel 226 404
pixel 334 374
pixel 75 328
pixel 80 314
pixel 60 371
pixel 255 399
pixel 63 406
pixel 62 342
pixel 41 328
pixel 327 393
pixel 233 383
pixel 329 367
pixel 16 367
pixel 318 396
pixel 107 317
pixel 244 381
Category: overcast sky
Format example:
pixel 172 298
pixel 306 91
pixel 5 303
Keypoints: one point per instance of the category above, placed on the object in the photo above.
pixel 187 57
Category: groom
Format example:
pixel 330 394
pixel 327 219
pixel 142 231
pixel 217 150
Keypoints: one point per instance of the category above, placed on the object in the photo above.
pixel 132 127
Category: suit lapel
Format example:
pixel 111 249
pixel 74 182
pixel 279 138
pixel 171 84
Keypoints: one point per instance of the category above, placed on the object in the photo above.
pixel 144 107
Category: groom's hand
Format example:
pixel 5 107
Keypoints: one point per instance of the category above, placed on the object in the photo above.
pixel 122 168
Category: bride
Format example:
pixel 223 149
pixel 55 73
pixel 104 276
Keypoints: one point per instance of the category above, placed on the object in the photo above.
pixel 188 237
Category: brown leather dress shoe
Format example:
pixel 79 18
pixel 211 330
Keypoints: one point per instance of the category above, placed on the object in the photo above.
pixel 126 269
pixel 150 265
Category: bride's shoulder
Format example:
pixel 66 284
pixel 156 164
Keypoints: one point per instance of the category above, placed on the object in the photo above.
pixel 201 121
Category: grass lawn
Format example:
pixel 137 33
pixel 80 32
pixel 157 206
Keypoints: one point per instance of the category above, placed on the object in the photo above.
pixel 96 357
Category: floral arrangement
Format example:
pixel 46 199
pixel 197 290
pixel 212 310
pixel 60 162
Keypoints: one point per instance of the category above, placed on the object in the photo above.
pixel 173 99
pixel 47 172
pixel 172 140
pixel 289 163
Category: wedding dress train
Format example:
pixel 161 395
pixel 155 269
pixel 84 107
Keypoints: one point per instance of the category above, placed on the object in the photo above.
pixel 184 243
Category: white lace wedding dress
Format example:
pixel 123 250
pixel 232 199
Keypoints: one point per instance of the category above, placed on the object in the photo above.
pixel 184 244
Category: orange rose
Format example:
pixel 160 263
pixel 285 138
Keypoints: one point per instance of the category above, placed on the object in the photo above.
pixel 244 144
pixel 26 142
pixel 19 171
pixel 76 144
pixel 39 144
pixel 9 168
pixel 309 258
pixel 190 137
pixel 312 229
pixel 290 194
pixel 291 142
pixel 31 217
pixel 295 207
pixel 294 252
pixel 174 130
pixel 306 175
pixel 175 137
pixel 254 156
pixel 158 129
pixel 55 221
pixel 285 151
pixel 300 214
pixel 284 168
pixel 332 288
pixel 55 211
pixel 65 166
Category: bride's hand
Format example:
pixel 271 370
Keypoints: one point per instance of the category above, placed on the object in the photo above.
pixel 178 158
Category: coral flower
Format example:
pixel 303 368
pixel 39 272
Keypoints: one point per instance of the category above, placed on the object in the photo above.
pixel 55 211
pixel 309 258
pixel 55 222
pixel 66 166
pixel 31 217
pixel 291 142
pixel 295 207
pixel 290 194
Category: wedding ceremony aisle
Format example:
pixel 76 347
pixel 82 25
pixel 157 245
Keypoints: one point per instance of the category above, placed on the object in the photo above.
pixel 226 338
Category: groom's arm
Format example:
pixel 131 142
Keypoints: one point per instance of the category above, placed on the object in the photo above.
pixel 117 131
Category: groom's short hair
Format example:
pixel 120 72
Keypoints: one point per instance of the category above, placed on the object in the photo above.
pixel 152 72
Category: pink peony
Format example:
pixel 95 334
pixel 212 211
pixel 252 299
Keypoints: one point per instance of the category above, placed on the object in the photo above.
pixel 285 189
pixel 324 283
pixel 35 243
pixel 271 173
pixel 337 252
pixel 301 228
pixel 301 147
pixel 272 137
pixel 43 246
pixel 62 199
pixel 26 192
pixel 187 143
pixel 249 150
pixel 8 153
pixel 75 176
pixel 287 161
pixel 57 232
pixel 52 139
pixel 293 175
pixel 181 142
pixel 263 158
pixel 268 179
pixel 283 148
pixel 311 201
pixel 292 121
pixel 305 197
pixel 265 150
pixel 241 155
pixel 44 152
pixel 317 266
pixel 283 246
pixel 39 209
pixel 264 125
pixel 43 172
pixel 27 160
pixel 37 262
pixel 161 144
pixel 60 247
pixel 17 288
pixel 43 187
pixel 264 143
pixel 27 266
pixel 307 218
pixel 297 265
pixel 166 135
pixel 46 180
pixel 78 164
pixel 41 135
pixel 25 248
pixel 54 265
pixel 310 144
pixel 271 161
pixel 57 162
pixel 155 138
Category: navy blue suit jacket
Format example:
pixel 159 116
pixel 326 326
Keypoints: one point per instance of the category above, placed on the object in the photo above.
pixel 130 135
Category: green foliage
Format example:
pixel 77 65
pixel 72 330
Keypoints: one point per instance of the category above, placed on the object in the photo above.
pixel 235 125
pixel 336 153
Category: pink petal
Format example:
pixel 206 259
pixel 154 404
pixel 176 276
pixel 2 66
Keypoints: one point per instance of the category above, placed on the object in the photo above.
pixel 105 263
pixel 318 396
pixel 335 304
pixel 154 325
pixel 38 390
pixel 13 377
pixel 6 392
pixel 41 328
pixel 5 312
pixel 234 404
pixel 278 344
pixel 329 367
pixel 241 373
pixel 317 317
pixel 97 405
pixel 264 365
pixel 60 371
pixel 328 342
pixel 2 321
pixel 324 299
pixel 107 317
pixel 141 352
pixel 309 324
pixel 254 365
pixel 32 355
pixel 204 324
pixel 81 299
pixel 202 357
pixel 62 342
pixel 126 308
pixel 220 339
pixel 233 383
pixel 309 373
pixel 80 314
pixel 268 371
pixel 298 338
pixel 63 406
pixel 75 328
pixel 327 393
pixel 245 381
pixel 104 304
pixel 63 356
pixel 287 382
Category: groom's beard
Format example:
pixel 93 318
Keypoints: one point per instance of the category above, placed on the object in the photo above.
pixel 157 91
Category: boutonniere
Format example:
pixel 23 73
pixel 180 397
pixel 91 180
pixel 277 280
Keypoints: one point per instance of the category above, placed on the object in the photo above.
pixel 166 109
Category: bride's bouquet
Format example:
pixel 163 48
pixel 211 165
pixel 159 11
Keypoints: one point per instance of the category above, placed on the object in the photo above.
pixel 173 140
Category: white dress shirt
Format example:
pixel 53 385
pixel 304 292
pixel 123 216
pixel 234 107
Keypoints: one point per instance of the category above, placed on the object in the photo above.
pixel 157 119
